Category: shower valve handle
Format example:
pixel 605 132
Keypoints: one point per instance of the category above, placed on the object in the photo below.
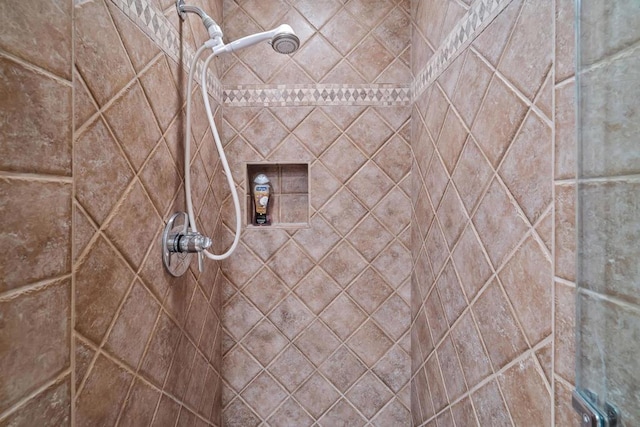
pixel 188 242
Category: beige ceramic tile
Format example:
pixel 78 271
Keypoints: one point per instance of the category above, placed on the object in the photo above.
pixel 33 321
pixel 37 120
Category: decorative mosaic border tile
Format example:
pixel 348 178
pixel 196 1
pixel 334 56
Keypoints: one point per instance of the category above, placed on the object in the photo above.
pixel 318 94
pixel 477 18
pixel 154 24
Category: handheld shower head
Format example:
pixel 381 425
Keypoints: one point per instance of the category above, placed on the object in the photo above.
pixel 282 39
pixel 285 40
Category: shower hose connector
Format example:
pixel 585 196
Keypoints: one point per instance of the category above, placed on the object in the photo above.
pixel 214 30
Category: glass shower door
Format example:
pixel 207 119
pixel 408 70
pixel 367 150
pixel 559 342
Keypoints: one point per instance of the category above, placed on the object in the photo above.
pixel 608 212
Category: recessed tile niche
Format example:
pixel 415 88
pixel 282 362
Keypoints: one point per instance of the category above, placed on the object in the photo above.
pixel 289 194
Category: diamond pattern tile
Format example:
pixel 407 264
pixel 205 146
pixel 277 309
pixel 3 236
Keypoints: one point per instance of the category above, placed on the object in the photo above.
pixel 241 267
pixel 344 31
pixel 369 343
pixel 361 239
pixel 531 265
pixel 369 395
pixel 317 290
pixel 370 184
pixel 343 159
pixel 472 175
pixel 291 368
pixel 528 165
pixel 451 140
pixel 395 158
pixel 394 317
pixel 343 369
pixel 265 341
pixel 266 13
pixel 290 414
pixel 450 293
pixel 341 413
pixel 369 132
pixel 238 414
pixel 497 213
pixel 370 58
pixel 101 169
pixel 343 316
pixel 265 133
pixel 318 129
pixel 291 316
pixel 368 13
pixel 394 264
pixel 265 290
pixel 264 242
pixel 394 211
pixel 316 395
pixel 317 342
pixel 451 215
pixel 239 316
pixel 359 160
pixel 394 414
pixel 343 211
pixel 264 394
pixel 318 239
pixel 449 363
pixel 291 263
pixel 498 120
pixel 344 263
pixel 369 290
pixel 317 47
pixel 394 31
pixel 323 186
pixel 318 12
pixel 499 329
pixel 394 368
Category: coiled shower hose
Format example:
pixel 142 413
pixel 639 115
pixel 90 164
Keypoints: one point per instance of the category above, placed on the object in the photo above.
pixel 223 158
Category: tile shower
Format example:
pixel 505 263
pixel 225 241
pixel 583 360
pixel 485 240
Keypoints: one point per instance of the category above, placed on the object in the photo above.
pixel 428 276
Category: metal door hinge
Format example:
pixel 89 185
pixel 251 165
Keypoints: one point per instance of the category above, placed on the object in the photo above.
pixel 584 402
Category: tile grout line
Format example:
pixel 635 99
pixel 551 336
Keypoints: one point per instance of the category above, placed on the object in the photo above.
pixel 36 68
pixel 74 207
pixel 554 139
pixel 57 379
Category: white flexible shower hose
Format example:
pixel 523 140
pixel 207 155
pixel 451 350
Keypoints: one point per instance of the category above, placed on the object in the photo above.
pixel 223 158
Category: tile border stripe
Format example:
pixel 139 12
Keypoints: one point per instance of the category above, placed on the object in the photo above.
pixel 477 18
pixel 318 94
pixel 155 25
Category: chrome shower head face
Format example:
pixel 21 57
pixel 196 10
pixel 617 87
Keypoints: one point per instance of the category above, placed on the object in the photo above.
pixel 285 42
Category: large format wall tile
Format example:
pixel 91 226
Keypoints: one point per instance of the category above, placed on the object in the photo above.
pixel 37 228
pixel 36 121
pixel 503 261
pixel 83 212
pixel 40 33
pixel 34 340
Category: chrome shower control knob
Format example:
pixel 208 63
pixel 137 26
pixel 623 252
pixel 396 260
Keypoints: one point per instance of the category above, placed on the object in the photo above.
pixel 192 242
pixel 179 242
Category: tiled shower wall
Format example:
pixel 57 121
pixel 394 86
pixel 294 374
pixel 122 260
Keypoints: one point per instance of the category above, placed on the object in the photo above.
pixel 493 218
pixel 316 319
pixel 93 331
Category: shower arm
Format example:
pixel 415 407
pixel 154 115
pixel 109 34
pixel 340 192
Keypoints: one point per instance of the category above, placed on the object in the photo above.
pixel 214 30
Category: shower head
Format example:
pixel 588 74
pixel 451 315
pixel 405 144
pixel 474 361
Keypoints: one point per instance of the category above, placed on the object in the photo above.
pixel 283 40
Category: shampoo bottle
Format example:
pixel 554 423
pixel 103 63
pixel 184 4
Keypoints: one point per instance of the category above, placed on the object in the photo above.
pixel 261 191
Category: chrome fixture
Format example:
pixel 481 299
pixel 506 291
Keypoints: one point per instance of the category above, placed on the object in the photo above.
pixel 282 39
pixel 179 241
pixel 585 402
pixel 181 237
